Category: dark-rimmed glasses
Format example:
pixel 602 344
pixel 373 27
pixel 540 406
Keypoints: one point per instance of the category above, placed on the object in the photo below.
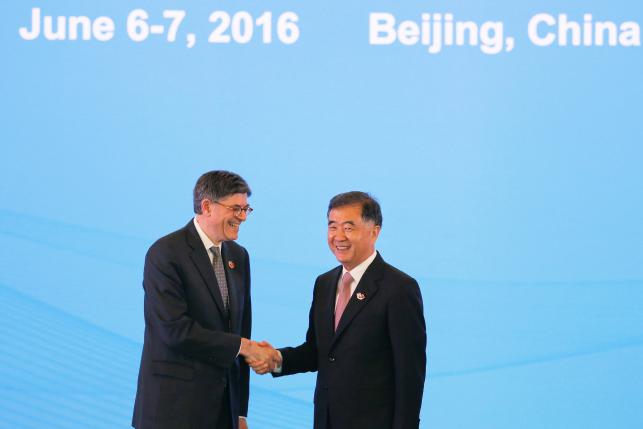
pixel 236 210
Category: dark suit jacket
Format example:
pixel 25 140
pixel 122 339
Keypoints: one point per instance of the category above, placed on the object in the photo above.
pixel 190 347
pixel 371 371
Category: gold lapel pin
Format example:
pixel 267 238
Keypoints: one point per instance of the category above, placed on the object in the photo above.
pixel 360 296
pixel 231 265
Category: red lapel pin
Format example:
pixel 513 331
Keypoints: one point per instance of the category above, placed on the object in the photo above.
pixel 231 265
pixel 360 296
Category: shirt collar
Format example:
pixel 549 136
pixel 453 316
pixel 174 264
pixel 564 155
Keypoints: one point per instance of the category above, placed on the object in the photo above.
pixel 358 271
pixel 204 238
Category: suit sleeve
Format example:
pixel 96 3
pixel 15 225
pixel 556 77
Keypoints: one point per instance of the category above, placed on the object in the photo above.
pixel 407 331
pixel 246 331
pixel 302 358
pixel 166 311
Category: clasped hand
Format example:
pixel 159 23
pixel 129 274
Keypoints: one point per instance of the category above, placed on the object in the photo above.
pixel 261 356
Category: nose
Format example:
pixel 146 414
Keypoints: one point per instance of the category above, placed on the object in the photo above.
pixel 242 216
pixel 338 235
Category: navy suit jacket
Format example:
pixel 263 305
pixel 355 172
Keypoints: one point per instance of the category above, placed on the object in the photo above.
pixel 370 372
pixel 190 347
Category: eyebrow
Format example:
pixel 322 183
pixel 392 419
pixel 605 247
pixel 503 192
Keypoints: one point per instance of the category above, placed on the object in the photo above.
pixel 348 222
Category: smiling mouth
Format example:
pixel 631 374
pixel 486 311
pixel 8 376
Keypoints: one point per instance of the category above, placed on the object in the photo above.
pixel 234 225
pixel 342 248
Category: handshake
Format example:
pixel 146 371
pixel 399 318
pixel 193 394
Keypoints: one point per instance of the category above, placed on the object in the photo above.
pixel 261 356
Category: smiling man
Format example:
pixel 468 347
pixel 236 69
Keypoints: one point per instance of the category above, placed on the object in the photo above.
pixel 193 370
pixel 366 334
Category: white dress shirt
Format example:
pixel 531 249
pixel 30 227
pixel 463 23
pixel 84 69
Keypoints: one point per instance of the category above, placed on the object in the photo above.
pixel 206 241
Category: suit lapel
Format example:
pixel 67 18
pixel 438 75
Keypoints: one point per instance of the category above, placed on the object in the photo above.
pixel 327 305
pixel 231 272
pixel 201 260
pixel 366 289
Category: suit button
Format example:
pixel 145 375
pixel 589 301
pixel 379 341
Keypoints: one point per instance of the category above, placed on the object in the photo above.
pixel 331 359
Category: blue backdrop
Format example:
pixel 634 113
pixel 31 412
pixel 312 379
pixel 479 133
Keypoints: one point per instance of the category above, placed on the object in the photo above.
pixel 510 185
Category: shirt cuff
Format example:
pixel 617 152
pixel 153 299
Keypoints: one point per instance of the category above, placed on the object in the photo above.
pixel 239 352
pixel 277 369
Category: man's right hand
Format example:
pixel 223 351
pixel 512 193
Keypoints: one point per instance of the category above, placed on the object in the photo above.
pixel 262 357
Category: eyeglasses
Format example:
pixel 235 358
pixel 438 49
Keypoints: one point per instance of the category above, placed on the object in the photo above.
pixel 236 210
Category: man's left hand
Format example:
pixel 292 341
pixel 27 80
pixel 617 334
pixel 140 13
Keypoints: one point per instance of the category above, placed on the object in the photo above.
pixel 243 423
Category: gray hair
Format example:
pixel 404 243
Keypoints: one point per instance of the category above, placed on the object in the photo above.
pixel 371 210
pixel 218 184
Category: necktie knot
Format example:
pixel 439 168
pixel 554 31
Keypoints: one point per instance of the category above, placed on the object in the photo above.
pixel 347 279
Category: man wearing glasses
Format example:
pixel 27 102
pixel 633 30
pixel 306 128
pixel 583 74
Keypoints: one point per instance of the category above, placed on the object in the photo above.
pixel 197 316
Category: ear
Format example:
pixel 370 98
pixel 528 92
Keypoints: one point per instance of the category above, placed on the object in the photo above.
pixel 376 231
pixel 206 206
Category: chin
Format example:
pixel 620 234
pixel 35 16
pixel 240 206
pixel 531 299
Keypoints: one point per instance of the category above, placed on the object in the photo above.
pixel 232 236
pixel 342 258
